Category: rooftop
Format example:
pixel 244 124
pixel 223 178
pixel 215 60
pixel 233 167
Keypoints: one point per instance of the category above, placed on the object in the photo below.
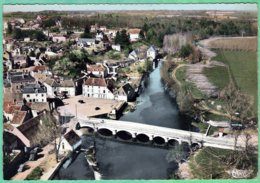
pixel 97 67
pixel 19 117
pixel 34 88
pixel 72 137
pixel 134 31
pixel 18 77
pixel 96 82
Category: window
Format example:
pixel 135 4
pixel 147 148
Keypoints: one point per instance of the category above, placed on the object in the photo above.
pixel 36 94
pixel 27 95
pixel 104 91
pixel 43 100
pixel 42 95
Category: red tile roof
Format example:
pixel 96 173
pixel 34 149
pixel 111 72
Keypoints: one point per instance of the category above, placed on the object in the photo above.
pixel 39 68
pixel 10 107
pixel 92 68
pixel 96 82
pixel 18 117
pixel 134 31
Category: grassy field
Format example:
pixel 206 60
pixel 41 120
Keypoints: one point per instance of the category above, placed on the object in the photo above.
pixel 218 76
pixel 243 67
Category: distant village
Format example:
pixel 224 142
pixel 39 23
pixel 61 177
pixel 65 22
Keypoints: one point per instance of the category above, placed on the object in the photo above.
pixel 36 98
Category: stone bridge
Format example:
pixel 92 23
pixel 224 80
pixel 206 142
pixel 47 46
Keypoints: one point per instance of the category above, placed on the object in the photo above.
pixel 158 135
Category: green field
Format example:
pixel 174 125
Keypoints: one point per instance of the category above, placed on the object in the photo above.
pixel 218 76
pixel 243 67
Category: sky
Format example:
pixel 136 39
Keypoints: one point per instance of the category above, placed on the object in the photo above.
pixel 35 8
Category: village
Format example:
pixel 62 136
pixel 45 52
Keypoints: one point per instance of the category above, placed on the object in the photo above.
pixel 57 72
pixel 32 91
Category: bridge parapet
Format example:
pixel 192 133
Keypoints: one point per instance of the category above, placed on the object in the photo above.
pixel 155 131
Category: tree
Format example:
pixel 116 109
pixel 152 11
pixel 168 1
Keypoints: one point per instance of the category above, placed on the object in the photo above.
pixel 17 34
pixel 48 23
pixel 185 51
pixel 238 105
pixel 39 36
pixel 54 132
pixel 86 33
pixel 9 28
pixel 123 39
pixel 141 34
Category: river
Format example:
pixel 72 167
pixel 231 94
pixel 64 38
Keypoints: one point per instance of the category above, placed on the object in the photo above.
pixel 123 160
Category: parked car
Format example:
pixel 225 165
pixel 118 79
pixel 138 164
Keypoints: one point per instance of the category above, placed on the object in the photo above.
pixel 81 101
pixel 22 167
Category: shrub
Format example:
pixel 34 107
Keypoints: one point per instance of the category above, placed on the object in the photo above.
pixel 35 174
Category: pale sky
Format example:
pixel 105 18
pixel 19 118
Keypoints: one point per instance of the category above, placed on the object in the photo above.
pixel 35 8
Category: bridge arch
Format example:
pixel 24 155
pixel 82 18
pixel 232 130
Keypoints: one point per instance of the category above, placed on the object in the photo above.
pixel 105 132
pixel 141 137
pixel 195 146
pixel 173 142
pixel 77 127
pixel 159 140
pixel 124 135
pixel 89 129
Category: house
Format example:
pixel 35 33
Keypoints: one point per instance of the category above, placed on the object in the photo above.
pixel 112 68
pixel 85 42
pixel 39 107
pixel 67 87
pixel 18 118
pixel 111 33
pixel 136 55
pixel 50 54
pixel 17 112
pixel 8 64
pixel 19 61
pixel 9 108
pixel 41 17
pixel 99 36
pixel 97 88
pixel 93 28
pixel 151 52
pixel 134 34
pixel 97 70
pixel 59 38
pixel 125 93
pixel 51 86
pixel 35 93
pixel 116 47
pixel 56 87
pixel 18 80
pixel 69 142
pixel 102 28
pixel 40 73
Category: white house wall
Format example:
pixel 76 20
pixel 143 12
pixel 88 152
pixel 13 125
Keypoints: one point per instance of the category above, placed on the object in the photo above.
pixel 97 92
pixel 70 90
pixel 38 97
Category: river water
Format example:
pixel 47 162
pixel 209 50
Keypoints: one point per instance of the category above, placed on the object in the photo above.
pixel 123 160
